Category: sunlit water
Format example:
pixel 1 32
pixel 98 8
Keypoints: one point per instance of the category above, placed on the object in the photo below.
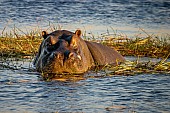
pixel 96 16
pixel 23 90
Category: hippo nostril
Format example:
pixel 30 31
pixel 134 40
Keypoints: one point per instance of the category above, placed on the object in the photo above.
pixel 67 54
pixel 60 58
pixel 58 55
pixel 70 55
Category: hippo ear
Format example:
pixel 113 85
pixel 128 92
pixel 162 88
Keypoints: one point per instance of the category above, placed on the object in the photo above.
pixel 78 33
pixel 44 34
pixel 74 39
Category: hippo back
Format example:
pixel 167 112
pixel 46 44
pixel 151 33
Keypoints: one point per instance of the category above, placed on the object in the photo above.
pixel 103 55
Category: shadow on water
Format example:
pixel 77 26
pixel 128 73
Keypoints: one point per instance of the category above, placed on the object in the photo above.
pixel 23 90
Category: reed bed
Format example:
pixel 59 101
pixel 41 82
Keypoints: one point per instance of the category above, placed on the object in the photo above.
pixel 133 68
pixel 19 47
pixel 27 44
pixel 149 46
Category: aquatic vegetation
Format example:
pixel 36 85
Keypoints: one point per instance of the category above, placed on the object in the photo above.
pixel 19 43
pixel 26 45
pixel 134 68
pixel 18 47
pixel 149 46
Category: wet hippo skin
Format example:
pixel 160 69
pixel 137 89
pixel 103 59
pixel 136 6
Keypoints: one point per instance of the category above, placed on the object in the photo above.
pixel 65 52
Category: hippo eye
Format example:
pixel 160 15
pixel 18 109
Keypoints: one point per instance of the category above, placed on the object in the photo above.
pixel 49 47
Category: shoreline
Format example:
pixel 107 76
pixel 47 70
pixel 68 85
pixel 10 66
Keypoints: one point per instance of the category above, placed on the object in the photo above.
pixel 128 30
pixel 27 45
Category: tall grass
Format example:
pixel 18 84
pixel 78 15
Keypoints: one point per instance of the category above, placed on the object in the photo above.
pixel 149 46
pixel 17 43
pixel 19 47
pixel 20 44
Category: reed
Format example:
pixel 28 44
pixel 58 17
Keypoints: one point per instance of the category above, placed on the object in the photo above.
pixel 150 46
pixel 134 68
pixel 19 44
pixel 19 47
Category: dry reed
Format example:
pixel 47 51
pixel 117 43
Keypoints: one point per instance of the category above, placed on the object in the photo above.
pixel 26 45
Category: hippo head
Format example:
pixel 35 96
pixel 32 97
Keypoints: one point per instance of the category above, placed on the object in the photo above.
pixel 63 54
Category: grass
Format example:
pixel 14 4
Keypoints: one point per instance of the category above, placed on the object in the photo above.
pixel 25 45
pixel 149 46
pixel 19 47
pixel 16 45
pixel 135 67
pixel 20 43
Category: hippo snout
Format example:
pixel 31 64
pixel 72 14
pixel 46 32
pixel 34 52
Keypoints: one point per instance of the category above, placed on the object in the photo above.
pixel 67 54
pixel 62 57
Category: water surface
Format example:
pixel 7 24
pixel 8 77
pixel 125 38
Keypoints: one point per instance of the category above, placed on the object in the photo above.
pixel 95 16
pixel 23 90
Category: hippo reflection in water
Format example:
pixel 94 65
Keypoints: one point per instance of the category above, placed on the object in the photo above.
pixel 65 52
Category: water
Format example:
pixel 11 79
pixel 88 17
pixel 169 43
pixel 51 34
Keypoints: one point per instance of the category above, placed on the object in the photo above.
pixel 22 90
pixel 96 16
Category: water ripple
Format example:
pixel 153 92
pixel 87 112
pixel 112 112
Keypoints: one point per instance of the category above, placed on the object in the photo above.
pixel 146 14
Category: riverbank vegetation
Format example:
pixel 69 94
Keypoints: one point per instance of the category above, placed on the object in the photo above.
pixel 17 45
pixel 25 45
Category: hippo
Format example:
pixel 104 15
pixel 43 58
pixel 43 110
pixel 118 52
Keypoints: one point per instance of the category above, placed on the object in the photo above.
pixel 65 52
